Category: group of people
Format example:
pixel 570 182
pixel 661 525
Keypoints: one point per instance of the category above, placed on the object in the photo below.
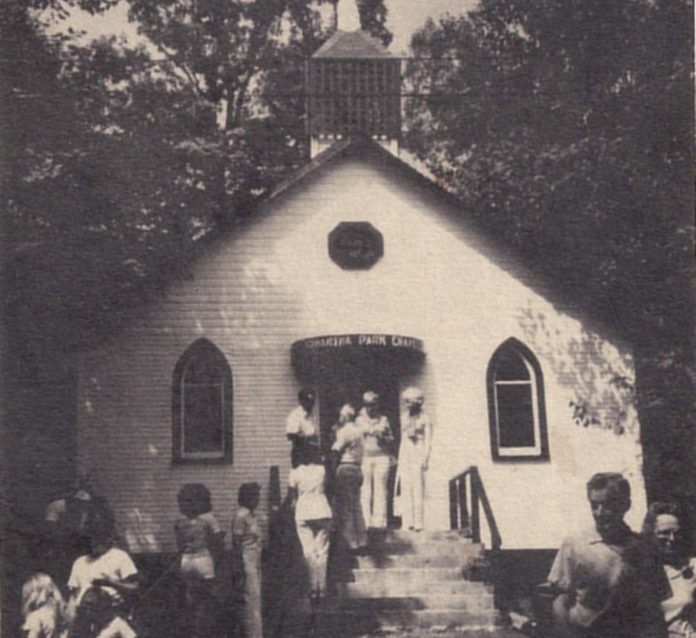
pixel 611 582
pixel 608 582
pixel 96 595
pixel 94 599
pixel 347 490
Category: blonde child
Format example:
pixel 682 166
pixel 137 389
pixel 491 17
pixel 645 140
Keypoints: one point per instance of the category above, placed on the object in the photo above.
pixel 43 608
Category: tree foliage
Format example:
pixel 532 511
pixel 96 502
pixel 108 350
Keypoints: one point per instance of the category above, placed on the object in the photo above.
pixel 566 128
pixel 122 158
pixel 373 19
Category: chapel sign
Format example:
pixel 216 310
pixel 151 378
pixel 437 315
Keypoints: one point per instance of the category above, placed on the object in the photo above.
pixel 333 342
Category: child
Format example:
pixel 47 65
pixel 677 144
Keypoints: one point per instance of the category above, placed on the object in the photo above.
pixel 246 538
pixel 200 541
pixel 98 582
pixel 43 607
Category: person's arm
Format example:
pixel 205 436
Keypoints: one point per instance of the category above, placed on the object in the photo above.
pixel 124 579
pixel 340 442
pixel 127 585
pixel 292 428
pixel 179 538
pixel 561 580
pixel 34 628
pixel 428 440
pixel 385 430
pixel 215 539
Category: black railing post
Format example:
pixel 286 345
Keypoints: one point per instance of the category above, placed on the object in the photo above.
pixel 475 514
pixel 463 504
pixel 453 498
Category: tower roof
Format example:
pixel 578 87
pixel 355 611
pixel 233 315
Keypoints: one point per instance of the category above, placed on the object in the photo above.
pixel 352 44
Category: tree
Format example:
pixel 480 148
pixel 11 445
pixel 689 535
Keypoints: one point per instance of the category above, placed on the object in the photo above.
pixel 144 151
pixel 566 128
pixel 373 19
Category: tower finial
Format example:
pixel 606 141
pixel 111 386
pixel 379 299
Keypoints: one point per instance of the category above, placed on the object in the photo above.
pixel 348 16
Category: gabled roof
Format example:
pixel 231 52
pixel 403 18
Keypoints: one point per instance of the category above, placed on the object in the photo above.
pixel 352 44
pixel 364 147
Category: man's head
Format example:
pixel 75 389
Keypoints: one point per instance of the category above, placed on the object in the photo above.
pixel 100 531
pixel 609 494
pixel 306 398
pixel 371 402
pixel 413 399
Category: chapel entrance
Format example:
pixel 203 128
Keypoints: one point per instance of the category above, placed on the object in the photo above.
pixel 343 367
pixel 346 382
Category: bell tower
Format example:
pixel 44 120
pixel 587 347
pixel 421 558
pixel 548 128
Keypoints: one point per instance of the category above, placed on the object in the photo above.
pixel 353 88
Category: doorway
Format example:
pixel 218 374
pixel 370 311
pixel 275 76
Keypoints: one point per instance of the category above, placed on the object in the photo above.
pixel 343 367
pixel 346 382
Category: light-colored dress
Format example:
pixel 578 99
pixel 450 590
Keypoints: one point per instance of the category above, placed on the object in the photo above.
pixel 246 533
pixel 312 520
pixel 680 608
pixel 414 451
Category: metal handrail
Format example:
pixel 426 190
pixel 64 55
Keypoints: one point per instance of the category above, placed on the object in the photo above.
pixel 468 496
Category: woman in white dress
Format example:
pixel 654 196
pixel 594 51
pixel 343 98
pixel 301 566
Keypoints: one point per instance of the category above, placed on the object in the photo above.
pixel 414 456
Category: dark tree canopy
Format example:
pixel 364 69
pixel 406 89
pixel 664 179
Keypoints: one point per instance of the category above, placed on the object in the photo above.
pixel 566 128
pixel 123 159
pixel 373 19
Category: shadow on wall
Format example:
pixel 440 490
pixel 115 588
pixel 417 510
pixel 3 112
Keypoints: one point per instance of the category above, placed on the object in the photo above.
pixel 599 375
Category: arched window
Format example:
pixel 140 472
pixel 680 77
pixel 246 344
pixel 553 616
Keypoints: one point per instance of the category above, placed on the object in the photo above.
pixel 202 405
pixel 516 412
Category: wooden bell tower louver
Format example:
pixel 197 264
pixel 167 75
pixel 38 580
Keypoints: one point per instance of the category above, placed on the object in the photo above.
pixel 353 87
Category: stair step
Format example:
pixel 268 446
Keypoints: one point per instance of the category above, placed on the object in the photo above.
pixel 452 548
pixel 411 619
pixel 425 536
pixel 469 601
pixel 407 574
pixel 406 561
pixel 405 588
pixel 432 617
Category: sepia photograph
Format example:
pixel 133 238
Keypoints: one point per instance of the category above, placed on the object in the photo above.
pixel 348 319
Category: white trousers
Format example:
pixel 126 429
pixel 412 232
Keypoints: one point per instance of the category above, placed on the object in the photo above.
pixel 373 495
pixel 253 623
pixel 412 478
pixel 314 538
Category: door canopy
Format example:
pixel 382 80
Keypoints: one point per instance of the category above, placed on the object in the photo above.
pixel 315 357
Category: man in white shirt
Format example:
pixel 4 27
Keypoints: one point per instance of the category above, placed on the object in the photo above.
pixel 300 426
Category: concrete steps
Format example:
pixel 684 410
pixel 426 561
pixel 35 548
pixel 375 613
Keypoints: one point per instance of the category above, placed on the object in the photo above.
pixel 415 581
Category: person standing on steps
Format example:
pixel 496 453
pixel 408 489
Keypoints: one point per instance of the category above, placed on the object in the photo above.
pixel 414 455
pixel 377 459
pixel 300 426
pixel 312 518
pixel 348 514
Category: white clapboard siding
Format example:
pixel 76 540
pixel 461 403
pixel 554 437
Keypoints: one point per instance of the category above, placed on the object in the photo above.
pixel 270 282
